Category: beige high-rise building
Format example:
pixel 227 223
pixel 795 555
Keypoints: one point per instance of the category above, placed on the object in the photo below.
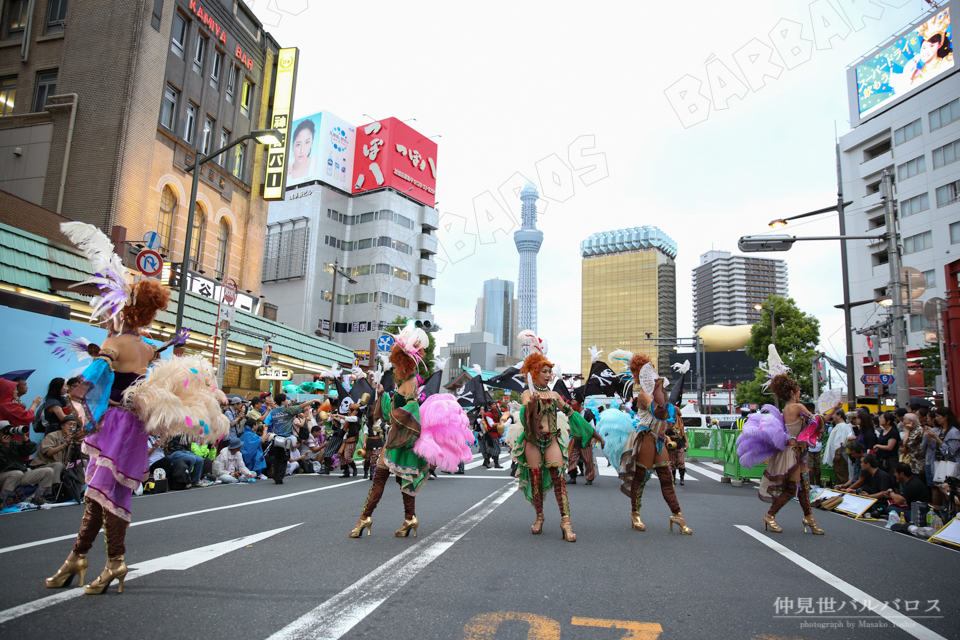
pixel 629 287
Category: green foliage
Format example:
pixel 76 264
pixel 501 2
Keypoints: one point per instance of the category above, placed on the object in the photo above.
pixel 497 394
pixel 798 335
pixel 428 357
pixel 931 364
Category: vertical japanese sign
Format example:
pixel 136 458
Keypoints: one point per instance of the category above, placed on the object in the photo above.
pixel 283 93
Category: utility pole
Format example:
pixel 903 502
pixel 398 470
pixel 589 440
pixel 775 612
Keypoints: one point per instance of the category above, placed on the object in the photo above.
pixel 847 322
pixel 899 339
pixel 333 295
pixel 943 360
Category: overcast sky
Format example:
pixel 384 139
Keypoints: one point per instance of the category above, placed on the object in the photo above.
pixel 508 84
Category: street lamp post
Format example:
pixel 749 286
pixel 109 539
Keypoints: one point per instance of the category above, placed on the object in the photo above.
pixel 333 292
pixel 264 136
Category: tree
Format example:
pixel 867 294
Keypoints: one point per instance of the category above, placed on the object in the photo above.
pixel 930 364
pixel 398 323
pixel 798 335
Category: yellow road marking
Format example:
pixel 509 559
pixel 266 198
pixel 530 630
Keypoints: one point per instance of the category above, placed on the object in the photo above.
pixel 635 630
pixel 485 625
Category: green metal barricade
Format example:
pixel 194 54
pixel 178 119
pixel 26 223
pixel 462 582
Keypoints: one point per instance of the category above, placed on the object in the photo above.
pixel 704 443
pixel 733 469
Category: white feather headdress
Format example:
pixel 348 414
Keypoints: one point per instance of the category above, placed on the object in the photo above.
pixel 773 367
pixel 623 357
pixel 529 339
pixel 110 276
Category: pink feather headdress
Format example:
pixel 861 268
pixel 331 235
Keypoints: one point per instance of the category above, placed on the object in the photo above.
pixel 529 339
pixel 414 342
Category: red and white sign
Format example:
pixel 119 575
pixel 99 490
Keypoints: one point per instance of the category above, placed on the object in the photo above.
pixel 149 263
pixel 392 154
pixel 230 291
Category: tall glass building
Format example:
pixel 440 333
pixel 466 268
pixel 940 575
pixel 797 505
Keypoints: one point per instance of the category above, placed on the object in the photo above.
pixel 629 282
pixel 497 312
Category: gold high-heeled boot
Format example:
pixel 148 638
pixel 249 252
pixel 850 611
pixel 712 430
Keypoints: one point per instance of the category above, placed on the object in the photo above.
pixel 636 522
pixel 677 519
pixel 566 530
pixel 408 525
pixel 100 585
pixel 770 524
pixel 814 529
pixel 64 576
pixel 362 523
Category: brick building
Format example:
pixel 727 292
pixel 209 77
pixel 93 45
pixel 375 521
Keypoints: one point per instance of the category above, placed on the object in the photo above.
pixel 103 103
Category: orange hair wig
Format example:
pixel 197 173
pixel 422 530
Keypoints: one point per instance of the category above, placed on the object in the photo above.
pixel 636 363
pixel 534 363
pixel 403 364
pixel 148 296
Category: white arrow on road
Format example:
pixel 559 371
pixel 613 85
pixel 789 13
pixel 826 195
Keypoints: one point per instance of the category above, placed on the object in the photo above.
pixel 175 562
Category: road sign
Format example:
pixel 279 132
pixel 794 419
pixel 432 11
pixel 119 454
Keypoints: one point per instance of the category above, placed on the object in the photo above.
pixel 151 239
pixel 877 378
pixel 149 263
pixel 230 291
pixel 273 373
pixel 886 378
pixel 385 342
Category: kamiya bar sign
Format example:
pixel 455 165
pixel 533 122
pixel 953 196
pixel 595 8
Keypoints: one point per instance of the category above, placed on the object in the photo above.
pixel 219 32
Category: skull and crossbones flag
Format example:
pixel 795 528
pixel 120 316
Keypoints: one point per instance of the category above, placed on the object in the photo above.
pixel 473 394
pixel 606 382
pixel 510 380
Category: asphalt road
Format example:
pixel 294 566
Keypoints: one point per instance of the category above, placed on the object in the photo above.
pixel 264 561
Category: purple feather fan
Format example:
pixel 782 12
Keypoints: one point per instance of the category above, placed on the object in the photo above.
pixel 444 433
pixel 763 435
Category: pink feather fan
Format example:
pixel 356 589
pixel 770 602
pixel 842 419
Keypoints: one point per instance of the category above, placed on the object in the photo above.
pixel 444 433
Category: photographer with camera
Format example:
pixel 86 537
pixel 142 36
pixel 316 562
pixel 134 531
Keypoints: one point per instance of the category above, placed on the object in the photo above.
pixel 13 473
pixel 281 420
pixel 54 447
pixel 236 413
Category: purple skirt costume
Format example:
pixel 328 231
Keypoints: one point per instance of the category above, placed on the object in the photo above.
pixel 118 453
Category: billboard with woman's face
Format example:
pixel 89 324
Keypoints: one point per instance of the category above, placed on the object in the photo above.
pixel 321 148
pixel 912 61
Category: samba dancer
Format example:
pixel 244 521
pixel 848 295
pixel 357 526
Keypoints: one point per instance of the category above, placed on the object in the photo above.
pixel 125 404
pixel 540 445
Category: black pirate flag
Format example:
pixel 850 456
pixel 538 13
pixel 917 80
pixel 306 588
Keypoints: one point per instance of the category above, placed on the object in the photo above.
pixel 473 394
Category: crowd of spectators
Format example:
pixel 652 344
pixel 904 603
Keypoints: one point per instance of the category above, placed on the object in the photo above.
pixel 897 458
pixel 269 437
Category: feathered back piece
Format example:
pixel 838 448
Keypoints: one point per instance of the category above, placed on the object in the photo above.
pixel 615 426
pixel 622 357
pixel 773 367
pixel 763 435
pixel 445 433
pixel 69 345
pixel 111 277
pixel 537 358
pixel 179 396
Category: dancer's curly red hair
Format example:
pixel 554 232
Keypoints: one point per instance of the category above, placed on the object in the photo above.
pixel 149 296
pixel 636 363
pixel 403 364
pixel 534 363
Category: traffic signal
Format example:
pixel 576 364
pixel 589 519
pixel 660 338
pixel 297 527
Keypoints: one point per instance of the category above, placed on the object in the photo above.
pixel 265 355
pixel 427 325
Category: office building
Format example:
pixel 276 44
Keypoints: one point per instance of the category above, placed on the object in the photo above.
pixel 352 245
pixel 103 105
pixel 629 288
pixel 726 287
pixel 498 313
pixel 908 125
pixel 474 348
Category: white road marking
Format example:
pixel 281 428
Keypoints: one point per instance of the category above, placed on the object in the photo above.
pixel 174 562
pixel 704 472
pixel 906 623
pixel 604 470
pixel 718 467
pixel 338 615
pixel 73 536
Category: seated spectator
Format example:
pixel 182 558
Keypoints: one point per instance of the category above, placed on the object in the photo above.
pixel 855 452
pixel 312 448
pixel 293 463
pixel 54 447
pixel 876 481
pixel 252 445
pixel 229 467
pixel 256 410
pixel 52 410
pixel 236 413
pixel 888 442
pixel 13 473
pixel 155 453
pixel 11 409
pixel 178 449
pixel 912 488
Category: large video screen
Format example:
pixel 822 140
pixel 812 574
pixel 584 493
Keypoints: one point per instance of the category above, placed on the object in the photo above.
pixel 321 148
pixel 909 63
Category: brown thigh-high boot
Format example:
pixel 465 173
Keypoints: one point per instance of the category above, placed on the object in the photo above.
pixel 769 521
pixel 536 491
pixel 410 522
pixel 640 477
pixel 114 534
pixel 560 491
pixel 803 497
pixel 380 476
pixel 666 488
pixel 89 527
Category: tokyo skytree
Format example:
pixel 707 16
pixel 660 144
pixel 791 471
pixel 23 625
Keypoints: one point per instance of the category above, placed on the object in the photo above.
pixel 528 240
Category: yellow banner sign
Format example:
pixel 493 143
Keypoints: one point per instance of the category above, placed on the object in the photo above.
pixel 284 89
